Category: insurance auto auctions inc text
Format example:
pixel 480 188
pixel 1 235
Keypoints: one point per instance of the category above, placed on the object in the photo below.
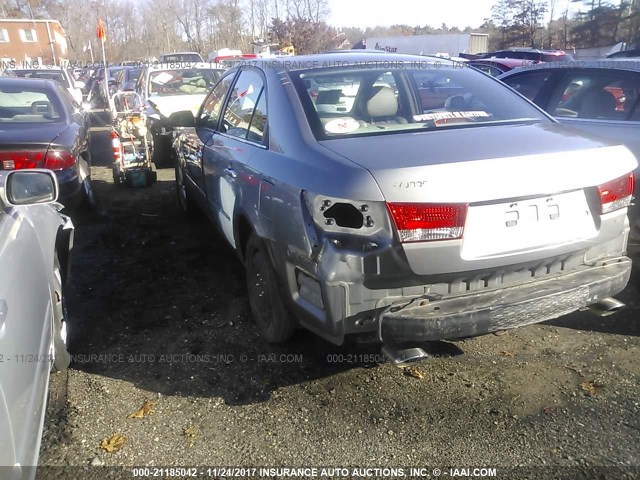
pixel 373 472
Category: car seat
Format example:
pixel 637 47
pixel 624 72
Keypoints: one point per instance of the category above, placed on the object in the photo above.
pixel 598 103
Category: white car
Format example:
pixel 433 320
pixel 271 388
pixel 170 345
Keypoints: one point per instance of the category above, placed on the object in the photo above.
pixel 59 74
pixel 35 241
pixel 166 89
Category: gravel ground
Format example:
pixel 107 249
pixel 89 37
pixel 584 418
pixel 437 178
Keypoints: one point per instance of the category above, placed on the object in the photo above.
pixel 160 314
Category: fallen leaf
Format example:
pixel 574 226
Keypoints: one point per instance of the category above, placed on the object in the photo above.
pixel 113 443
pixel 547 410
pixel 147 409
pixel 414 372
pixel 505 353
pixel 189 432
pixel 589 386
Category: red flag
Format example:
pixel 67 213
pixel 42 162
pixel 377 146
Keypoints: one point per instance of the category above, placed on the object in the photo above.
pixel 100 31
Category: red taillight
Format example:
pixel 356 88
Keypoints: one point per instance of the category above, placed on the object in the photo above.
pixel 420 222
pixel 116 147
pixel 617 193
pixel 20 159
pixel 59 159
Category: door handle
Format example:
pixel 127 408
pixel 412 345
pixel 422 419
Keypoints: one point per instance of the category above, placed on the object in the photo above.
pixel 230 172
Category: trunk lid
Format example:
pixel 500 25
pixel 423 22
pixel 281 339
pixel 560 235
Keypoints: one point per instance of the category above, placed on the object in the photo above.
pixel 528 187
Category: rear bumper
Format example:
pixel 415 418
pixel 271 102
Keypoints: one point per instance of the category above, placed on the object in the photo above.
pixel 435 318
pixel 70 188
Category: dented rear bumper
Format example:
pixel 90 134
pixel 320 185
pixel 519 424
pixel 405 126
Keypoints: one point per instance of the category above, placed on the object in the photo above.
pixel 438 317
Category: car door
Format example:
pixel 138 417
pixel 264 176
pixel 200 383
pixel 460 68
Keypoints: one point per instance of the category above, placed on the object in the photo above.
pixel 599 101
pixel 240 134
pixel 25 335
pixel 191 141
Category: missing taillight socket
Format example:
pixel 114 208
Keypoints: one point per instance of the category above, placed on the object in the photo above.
pixel 419 222
pixel 344 215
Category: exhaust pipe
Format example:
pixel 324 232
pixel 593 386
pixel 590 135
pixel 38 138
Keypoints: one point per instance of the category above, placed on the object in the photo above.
pixel 606 306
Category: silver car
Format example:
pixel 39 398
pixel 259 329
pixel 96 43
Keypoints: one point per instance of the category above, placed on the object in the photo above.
pixel 35 240
pixel 402 196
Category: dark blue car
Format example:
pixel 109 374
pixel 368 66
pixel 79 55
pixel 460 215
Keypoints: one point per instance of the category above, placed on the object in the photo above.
pixel 40 127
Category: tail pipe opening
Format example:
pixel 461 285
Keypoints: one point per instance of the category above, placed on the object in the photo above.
pixel 606 306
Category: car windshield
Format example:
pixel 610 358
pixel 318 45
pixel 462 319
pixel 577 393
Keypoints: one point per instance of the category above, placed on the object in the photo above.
pixel 27 105
pixel 367 101
pixel 182 82
pixel 56 75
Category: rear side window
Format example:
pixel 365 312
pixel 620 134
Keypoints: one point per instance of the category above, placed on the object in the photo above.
pixel 597 94
pixel 528 84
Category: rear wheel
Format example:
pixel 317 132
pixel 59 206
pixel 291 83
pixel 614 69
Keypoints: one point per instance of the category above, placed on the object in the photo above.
pixel 59 353
pixel 274 321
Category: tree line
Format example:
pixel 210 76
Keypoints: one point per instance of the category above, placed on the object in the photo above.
pixel 142 30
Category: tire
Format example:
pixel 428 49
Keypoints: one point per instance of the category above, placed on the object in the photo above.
pixel 162 151
pixel 185 203
pixel 274 321
pixel 61 357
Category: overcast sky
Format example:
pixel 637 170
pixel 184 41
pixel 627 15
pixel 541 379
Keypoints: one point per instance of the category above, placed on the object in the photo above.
pixel 455 13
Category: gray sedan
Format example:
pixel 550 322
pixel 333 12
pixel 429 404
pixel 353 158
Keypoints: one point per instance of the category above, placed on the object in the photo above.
pixel 403 197
pixel 35 240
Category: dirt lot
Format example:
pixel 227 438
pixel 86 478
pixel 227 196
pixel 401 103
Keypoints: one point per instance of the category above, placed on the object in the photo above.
pixel 160 314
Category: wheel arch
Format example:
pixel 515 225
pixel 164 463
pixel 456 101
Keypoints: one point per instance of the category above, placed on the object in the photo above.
pixel 63 245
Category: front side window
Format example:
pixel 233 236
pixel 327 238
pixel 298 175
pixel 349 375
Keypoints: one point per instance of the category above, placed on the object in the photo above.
pixel 604 95
pixel 372 101
pixel 212 106
pixel 245 114
pixel 181 82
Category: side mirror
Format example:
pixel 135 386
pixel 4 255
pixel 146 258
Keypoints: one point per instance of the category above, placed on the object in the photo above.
pixel 30 187
pixel 183 118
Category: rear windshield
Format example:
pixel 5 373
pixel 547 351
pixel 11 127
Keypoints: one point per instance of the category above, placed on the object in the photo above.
pixel 24 105
pixel 552 57
pixel 42 74
pixel 181 57
pixel 182 82
pixel 365 101
pixel 133 74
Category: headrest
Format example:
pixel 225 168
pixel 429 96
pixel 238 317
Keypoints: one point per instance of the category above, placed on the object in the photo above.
pixel 383 103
